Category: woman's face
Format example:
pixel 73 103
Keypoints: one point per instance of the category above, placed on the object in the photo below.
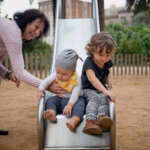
pixel 33 29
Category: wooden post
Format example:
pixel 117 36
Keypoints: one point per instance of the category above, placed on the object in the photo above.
pixel 129 64
pixel 26 61
pixel 117 64
pixel 133 59
pixel 125 64
pixel 41 65
pixel 121 64
pixel 138 64
pixel 101 14
pixel 113 68
pixel 36 65
pixel 45 64
pixel 31 63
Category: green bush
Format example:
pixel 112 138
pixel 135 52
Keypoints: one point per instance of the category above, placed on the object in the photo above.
pixel 37 46
pixel 131 39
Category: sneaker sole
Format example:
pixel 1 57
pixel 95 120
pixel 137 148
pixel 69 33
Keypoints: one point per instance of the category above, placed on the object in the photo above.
pixel 92 131
pixel 105 123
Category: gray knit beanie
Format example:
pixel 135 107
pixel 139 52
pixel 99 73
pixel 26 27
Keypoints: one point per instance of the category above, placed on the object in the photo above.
pixel 67 59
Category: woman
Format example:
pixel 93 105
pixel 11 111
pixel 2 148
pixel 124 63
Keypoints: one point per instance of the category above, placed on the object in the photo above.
pixel 25 26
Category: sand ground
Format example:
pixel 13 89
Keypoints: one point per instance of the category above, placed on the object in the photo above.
pixel 18 109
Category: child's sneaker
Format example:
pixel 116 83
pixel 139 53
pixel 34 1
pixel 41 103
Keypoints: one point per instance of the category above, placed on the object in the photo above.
pixel 105 122
pixel 91 127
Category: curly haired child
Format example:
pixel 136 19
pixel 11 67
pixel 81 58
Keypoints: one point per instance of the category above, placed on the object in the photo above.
pixel 95 76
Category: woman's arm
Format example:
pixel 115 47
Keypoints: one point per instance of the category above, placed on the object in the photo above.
pixel 47 81
pixel 17 63
pixel 12 40
pixel 44 84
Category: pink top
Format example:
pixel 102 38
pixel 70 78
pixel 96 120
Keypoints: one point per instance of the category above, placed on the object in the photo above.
pixel 11 43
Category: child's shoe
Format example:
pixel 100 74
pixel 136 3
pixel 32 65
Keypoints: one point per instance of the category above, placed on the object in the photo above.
pixel 105 122
pixel 91 127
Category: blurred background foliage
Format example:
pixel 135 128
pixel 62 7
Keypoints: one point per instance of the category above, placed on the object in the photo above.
pixel 131 39
pixel 37 46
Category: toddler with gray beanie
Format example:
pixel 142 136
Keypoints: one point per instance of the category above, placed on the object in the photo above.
pixel 72 103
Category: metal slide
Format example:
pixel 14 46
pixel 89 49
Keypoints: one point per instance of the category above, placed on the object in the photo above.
pixel 72 33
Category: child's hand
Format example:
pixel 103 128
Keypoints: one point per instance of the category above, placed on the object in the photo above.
pixel 67 110
pixel 54 87
pixel 110 84
pixel 13 78
pixel 40 94
pixel 109 93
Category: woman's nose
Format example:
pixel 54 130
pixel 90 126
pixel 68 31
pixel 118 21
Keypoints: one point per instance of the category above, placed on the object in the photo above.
pixel 37 33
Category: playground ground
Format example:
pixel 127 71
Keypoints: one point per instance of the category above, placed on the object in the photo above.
pixel 18 108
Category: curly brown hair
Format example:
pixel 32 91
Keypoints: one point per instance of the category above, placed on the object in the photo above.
pixel 99 41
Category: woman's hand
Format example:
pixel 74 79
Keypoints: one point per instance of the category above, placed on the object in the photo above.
pixel 54 87
pixel 67 110
pixel 40 94
pixel 13 78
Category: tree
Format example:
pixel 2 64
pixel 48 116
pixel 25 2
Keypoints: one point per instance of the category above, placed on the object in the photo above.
pixel 142 18
pixel 139 5
pixel 37 46
pixel 130 39
pixel 101 14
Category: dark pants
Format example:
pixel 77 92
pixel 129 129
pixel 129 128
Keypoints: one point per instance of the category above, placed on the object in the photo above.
pixel 3 132
pixel 56 103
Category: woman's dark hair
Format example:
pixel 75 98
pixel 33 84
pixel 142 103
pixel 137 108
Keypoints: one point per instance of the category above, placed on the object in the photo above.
pixel 24 18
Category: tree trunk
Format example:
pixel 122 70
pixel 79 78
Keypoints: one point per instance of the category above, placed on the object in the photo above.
pixel 101 14
pixel 54 11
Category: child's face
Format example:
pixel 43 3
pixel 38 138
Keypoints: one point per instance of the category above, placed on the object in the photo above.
pixel 101 58
pixel 63 74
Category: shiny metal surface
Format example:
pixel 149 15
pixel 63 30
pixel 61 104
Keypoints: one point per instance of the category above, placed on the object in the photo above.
pixel 40 124
pixel 112 110
pixel 80 148
pixel 59 136
pixel 72 33
pixel 96 15
pixel 77 33
pixel 75 39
